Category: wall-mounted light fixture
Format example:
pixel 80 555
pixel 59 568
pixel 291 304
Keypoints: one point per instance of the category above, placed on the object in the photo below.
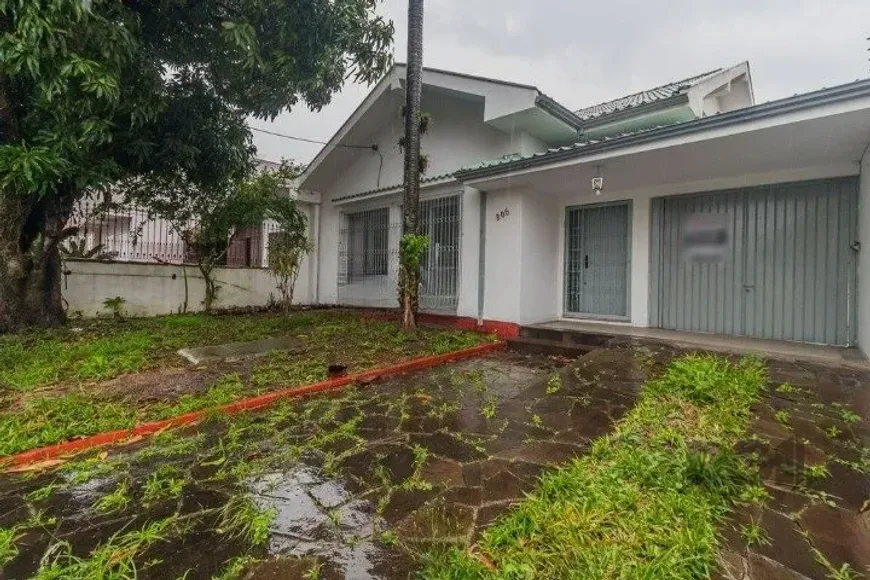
pixel 598 182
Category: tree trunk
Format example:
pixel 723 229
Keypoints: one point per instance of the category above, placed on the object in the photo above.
pixel 30 264
pixel 411 199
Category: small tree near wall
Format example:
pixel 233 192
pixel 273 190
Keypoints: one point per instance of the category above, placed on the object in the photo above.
pixel 287 248
pixel 208 219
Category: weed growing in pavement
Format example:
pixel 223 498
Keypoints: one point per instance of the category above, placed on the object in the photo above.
pixel 41 494
pixel 832 432
pixel 165 483
pixel 117 500
pixel 235 568
pixel 849 416
pixel 242 518
pixel 8 544
pixel 113 560
pixel 817 471
pixel 787 388
pixel 554 384
pixel 754 535
pixel 488 410
pixel 783 417
pixel 646 500
pixel 416 480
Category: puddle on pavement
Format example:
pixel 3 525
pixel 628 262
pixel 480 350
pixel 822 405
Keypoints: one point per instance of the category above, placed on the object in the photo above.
pixel 360 483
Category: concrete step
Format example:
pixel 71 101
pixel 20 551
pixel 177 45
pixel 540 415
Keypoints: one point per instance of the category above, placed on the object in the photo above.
pixel 548 347
pixel 571 337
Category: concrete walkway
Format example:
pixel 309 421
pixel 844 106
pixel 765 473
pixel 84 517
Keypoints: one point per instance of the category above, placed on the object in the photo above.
pixel 835 355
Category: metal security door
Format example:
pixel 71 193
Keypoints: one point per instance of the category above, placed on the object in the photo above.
pixel 596 260
pixel 789 272
pixel 440 220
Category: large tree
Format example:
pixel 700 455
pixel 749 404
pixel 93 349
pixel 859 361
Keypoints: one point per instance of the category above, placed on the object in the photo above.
pixel 412 245
pixel 95 92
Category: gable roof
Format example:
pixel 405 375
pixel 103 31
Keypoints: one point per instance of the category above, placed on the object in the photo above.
pixel 548 107
pixel 649 96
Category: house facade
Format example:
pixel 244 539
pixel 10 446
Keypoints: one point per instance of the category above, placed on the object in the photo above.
pixel 687 207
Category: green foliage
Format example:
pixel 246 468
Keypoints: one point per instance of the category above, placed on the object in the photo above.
pixel 165 483
pixel 412 249
pixel 104 349
pixel 113 560
pixel 287 248
pixel 8 546
pixel 115 306
pixel 241 518
pixel 645 502
pixel 78 249
pixel 45 420
pixel 115 501
pixel 154 92
pixel 209 218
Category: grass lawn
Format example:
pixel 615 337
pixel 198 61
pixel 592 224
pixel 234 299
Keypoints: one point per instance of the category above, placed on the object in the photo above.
pixel 101 375
pixel 646 502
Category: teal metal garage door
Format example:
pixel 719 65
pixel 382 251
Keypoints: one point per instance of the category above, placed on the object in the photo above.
pixel 773 262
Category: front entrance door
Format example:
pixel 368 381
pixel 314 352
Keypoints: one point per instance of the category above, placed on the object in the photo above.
pixel 596 260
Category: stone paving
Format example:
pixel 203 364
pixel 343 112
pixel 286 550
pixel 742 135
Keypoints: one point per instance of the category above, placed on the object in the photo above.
pixel 363 482
pixel 811 435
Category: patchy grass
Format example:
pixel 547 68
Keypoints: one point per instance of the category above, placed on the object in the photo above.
pixel 75 360
pixel 111 560
pixel 97 350
pixel 646 501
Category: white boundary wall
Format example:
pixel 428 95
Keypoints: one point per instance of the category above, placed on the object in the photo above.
pixel 157 289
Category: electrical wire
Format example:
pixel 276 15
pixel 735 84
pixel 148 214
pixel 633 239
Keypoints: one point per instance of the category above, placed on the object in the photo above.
pixel 316 142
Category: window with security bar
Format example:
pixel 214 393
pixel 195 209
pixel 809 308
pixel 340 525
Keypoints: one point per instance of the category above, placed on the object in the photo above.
pixel 367 243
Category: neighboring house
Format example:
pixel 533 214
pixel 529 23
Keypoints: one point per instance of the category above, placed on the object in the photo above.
pixel 121 232
pixel 715 214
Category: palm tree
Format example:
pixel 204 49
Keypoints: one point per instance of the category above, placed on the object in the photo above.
pixel 410 248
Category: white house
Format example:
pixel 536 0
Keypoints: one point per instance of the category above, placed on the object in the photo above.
pixel 687 206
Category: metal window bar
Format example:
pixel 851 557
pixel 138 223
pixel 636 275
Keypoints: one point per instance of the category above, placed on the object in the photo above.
pixel 368 257
pixel 109 230
pixel 440 220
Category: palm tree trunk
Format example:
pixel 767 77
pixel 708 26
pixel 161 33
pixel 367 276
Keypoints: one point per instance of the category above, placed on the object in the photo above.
pixel 411 200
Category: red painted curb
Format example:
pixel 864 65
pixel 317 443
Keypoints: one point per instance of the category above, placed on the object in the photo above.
pixel 258 402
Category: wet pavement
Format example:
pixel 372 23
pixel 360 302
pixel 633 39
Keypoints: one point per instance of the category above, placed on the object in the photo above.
pixel 811 436
pixel 362 483
pixel 357 485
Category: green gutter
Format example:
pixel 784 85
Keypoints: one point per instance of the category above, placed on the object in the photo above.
pixel 797 103
pixel 562 113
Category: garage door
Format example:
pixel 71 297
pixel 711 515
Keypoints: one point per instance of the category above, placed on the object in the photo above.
pixel 772 262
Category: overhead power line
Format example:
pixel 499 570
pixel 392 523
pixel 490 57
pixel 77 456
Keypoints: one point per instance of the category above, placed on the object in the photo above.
pixel 314 141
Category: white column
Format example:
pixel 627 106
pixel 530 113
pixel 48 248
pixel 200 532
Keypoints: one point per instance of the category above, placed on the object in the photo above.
pixel 640 241
pixel 469 256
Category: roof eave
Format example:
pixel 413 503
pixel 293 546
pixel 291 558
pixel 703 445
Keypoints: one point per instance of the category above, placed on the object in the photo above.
pixel 792 104
pixel 560 112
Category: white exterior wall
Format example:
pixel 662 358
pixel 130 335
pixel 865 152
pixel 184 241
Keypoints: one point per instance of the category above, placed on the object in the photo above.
pixel 457 138
pixel 504 265
pixel 525 254
pixel 864 256
pixel 157 289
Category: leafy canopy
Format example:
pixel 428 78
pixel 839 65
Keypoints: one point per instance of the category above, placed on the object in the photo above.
pixel 91 92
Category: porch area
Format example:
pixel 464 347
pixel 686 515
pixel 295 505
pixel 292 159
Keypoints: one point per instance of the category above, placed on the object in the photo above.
pixel 580 336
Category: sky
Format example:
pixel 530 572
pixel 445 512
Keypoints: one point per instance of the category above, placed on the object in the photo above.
pixel 582 53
